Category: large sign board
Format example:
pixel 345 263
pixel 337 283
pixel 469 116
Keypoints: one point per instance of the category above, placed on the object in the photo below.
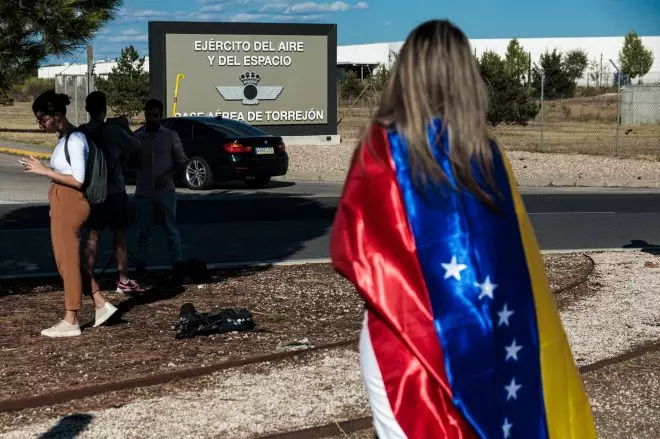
pixel 279 77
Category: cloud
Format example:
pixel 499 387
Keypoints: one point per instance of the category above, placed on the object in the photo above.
pixel 274 7
pixel 314 7
pixel 297 17
pixel 130 32
pixel 127 36
pixel 243 16
pixel 213 8
pixel 206 16
pixel 127 16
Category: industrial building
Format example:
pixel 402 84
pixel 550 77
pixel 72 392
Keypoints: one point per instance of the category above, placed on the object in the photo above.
pixel 364 58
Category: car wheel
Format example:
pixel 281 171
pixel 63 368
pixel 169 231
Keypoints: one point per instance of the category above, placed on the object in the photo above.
pixel 197 174
pixel 257 182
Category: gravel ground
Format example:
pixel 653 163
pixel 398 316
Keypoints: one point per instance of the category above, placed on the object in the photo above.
pixel 332 162
pixel 235 405
pixel 623 315
pixel 620 311
pixel 624 398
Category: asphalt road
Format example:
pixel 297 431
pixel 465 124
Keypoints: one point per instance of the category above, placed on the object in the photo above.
pixel 231 228
pixel 292 220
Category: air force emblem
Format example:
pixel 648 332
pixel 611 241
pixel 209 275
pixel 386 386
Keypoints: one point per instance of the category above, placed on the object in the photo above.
pixel 250 93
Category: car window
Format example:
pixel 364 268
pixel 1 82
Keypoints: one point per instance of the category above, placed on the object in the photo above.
pixel 234 128
pixel 183 128
pixel 200 131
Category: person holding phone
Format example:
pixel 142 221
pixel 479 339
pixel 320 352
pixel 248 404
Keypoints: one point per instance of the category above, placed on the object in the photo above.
pixel 69 209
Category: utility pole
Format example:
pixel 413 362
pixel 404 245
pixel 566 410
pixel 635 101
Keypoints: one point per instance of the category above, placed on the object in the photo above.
pixel 542 73
pixel 618 107
pixel 529 70
pixel 90 71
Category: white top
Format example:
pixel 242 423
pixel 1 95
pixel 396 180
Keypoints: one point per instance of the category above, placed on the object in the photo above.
pixel 78 152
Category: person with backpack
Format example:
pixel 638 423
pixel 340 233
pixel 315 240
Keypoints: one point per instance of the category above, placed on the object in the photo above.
pixel 77 173
pixel 118 144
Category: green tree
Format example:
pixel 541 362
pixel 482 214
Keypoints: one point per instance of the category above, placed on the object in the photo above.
pixel 127 85
pixel 351 85
pixel 574 63
pixel 516 60
pixel 510 102
pixel 594 72
pixel 557 82
pixel 635 59
pixel 33 30
pixel 384 73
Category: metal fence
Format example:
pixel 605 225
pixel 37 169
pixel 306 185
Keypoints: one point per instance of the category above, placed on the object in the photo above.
pixel 75 86
pixel 621 122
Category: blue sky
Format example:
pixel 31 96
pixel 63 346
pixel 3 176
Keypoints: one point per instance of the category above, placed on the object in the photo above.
pixel 372 21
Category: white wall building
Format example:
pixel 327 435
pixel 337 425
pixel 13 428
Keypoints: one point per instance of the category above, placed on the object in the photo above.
pixel 367 56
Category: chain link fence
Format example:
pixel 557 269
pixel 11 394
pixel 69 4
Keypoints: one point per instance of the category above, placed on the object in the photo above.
pixel 610 121
pixel 75 86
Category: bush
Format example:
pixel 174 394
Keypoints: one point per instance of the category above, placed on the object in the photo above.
pixel 31 88
pixel 351 86
pixel 589 92
pixel 510 101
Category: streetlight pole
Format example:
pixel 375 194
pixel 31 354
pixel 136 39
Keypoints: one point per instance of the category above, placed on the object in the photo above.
pixel 618 106
pixel 542 73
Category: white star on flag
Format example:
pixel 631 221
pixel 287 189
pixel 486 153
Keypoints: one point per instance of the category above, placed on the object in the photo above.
pixel 486 288
pixel 512 351
pixel 504 316
pixel 453 269
pixel 506 428
pixel 512 389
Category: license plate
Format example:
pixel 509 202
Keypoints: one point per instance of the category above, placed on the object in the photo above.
pixel 264 150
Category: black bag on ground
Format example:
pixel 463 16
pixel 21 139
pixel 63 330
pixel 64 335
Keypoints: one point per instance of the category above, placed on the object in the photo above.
pixel 191 322
pixel 95 186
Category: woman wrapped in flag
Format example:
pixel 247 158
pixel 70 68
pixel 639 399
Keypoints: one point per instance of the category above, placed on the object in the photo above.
pixel 461 337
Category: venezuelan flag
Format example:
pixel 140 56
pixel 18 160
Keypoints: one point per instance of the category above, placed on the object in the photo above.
pixel 461 318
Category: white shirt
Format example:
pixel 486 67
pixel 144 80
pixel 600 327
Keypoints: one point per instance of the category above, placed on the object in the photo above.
pixel 78 152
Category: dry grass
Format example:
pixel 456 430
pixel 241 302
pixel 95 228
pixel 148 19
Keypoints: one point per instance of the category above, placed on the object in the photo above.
pixel 578 125
pixel 18 124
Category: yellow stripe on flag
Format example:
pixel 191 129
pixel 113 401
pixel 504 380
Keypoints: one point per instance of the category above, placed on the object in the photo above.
pixel 567 407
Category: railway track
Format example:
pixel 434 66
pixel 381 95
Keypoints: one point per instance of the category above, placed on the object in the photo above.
pixel 333 429
pixel 338 428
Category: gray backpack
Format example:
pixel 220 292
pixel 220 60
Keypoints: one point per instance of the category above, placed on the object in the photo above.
pixel 95 186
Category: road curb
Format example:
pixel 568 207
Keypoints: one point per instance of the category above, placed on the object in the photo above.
pixel 24 152
pixel 295 262
pixel 527 183
pixel 340 178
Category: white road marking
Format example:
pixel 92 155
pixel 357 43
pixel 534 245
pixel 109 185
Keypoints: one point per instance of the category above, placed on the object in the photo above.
pixel 575 213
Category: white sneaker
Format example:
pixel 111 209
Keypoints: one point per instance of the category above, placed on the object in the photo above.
pixel 62 329
pixel 103 314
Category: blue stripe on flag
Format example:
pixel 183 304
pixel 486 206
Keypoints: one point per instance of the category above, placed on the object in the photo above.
pixel 480 290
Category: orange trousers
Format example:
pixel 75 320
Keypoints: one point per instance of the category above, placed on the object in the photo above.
pixel 68 212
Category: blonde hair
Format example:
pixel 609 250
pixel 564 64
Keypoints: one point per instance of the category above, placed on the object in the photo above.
pixel 437 76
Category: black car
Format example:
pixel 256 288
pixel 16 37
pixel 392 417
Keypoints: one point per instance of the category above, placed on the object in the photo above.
pixel 221 150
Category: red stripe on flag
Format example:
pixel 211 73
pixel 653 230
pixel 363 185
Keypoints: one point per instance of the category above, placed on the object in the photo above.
pixel 372 245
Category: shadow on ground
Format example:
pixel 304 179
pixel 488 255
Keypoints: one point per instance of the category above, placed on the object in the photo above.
pixel 645 247
pixel 217 230
pixel 69 426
